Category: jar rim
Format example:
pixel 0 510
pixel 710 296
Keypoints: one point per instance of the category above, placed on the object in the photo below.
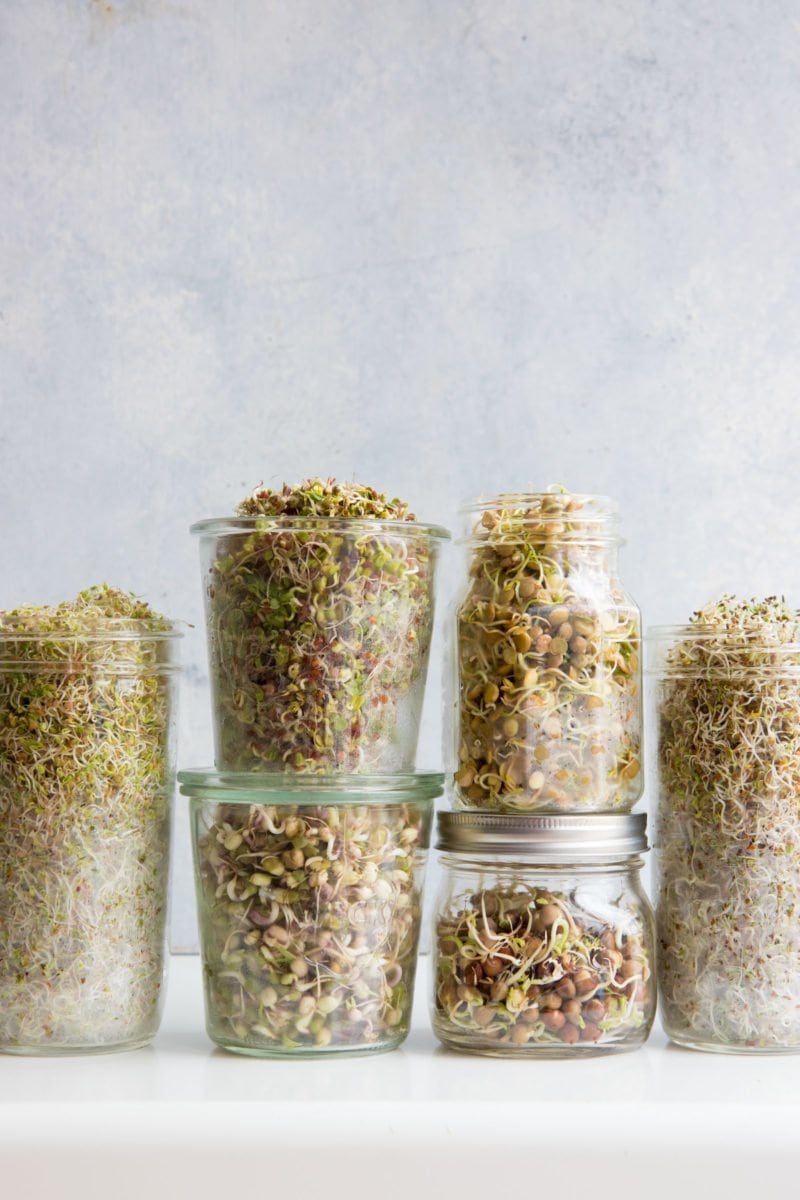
pixel 283 787
pixel 593 506
pixel 545 838
pixel 218 526
pixel 102 629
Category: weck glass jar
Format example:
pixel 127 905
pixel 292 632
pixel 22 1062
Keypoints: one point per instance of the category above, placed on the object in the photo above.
pixel 319 632
pixel 549 696
pixel 728 831
pixel 87 749
pixel 309 892
pixel 543 942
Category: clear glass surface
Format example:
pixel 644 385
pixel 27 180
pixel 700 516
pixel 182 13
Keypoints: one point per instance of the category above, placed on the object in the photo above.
pixel 541 962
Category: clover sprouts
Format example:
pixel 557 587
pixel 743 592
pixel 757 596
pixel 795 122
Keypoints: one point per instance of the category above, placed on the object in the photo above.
pixel 729 827
pixel 85 704
pixel 310 919
pixel 548 652
pixel 319 601
pixel 524 969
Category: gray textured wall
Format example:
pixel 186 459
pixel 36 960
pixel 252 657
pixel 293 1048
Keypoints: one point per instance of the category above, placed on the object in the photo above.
pixel 445 247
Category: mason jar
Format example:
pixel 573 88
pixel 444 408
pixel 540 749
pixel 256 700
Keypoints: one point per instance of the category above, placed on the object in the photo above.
pixel 319 632
pixel 309 893
pixel 87 762
pixel 549 695
pixel 728 833
pixel 543 942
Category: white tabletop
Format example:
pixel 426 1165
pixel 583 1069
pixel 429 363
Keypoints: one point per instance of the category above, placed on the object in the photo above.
pixel 183 1118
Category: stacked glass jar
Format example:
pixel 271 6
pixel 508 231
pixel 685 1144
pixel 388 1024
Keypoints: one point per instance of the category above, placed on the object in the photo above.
pixel 544 937
pixel 310 835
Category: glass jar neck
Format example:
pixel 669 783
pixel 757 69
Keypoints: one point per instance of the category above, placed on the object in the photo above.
pixel 460 861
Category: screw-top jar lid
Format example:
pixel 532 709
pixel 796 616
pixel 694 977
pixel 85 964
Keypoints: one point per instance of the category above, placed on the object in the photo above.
pixel 593 837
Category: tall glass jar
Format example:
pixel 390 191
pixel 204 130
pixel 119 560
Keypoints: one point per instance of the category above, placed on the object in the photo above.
pixel 728 832
pixel 309 895
pixel 87 759
pixel 548 650
pixel 543 942
pixel 319 632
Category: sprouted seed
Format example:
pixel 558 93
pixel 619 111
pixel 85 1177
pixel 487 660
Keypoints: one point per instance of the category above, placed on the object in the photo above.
pixel 310 921
pixel 530 969
pixel 549 663
pixel 85 789
pixel 729 827
pixel 319 631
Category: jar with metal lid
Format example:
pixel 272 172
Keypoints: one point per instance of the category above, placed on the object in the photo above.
pixel 543 943
pixel 309 895
pixel 548 649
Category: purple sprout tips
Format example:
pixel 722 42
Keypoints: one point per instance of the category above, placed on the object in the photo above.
pixel 729 827
pixel 529 970
pixel 549 671
pixel 310 919
pixel 85 788
pixel 320 622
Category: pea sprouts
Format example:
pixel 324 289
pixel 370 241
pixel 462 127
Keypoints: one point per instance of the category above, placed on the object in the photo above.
pixel 310 921
pixel 729 827
pixel 528 969
pixel 320 621
pixel 549 670
pixel 84 822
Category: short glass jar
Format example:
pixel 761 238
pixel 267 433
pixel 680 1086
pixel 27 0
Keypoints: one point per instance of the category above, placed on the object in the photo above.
pixel 309 892
pixel 728 831
pixel 543 941
pixel 87 775
pixel 548 651
pixel 319 633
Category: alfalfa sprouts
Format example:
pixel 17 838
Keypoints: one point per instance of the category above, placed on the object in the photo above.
pixel 729 826
pixel 85 784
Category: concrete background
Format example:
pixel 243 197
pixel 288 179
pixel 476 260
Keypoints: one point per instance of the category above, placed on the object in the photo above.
pixel 443 247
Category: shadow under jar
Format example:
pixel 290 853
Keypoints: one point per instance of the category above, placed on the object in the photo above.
pixel 548 651
pixel 319 633
pixel 309 894
pixel 728 832
pixel 543 942
pixel 87 748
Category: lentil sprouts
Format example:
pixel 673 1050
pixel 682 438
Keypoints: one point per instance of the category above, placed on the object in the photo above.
pixel 729 827
pixel 528 967
pixel 310 920
pixel 319 601
pixel 549 671
pixel 85 787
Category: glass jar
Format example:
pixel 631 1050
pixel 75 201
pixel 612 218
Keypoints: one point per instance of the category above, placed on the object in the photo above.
pixel 319 632
pixel 548 650
pixel 87 762
pixel 309 892
pixel 728 835
pixel 543 941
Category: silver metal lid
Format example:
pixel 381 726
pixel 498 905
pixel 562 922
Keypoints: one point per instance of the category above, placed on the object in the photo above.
pixel 593 837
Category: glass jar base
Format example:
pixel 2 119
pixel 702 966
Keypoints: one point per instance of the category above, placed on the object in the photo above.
pixel 542 1051
pixel 697 1044
pixel 45 1051
pixel 306 1052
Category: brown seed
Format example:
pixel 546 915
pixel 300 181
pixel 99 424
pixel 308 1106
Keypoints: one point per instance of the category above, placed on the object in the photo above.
pixel 594 1010
pixel 528 587
pixel 465 777
pixel 553 1020
pixel 549 913
pixel 491 693
pixel 591 1033
pixel 572 1010
pixel 533 946
pixel 566 988
pixel 585 982
pixel 522 640
pixel 510 726
pixel 531 1015
pixel 631 967
pixel 483 1016
pixel 499 992
pixel 557 617
pixel 569 1034
pixel 473 973
pixel 475 792
pixel 559 646
pixel 492 966
pixel 565 631
pixel 542 643
pixel 578 644
pixel 520 1035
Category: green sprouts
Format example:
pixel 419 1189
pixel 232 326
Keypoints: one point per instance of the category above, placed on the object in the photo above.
pixel 549 671
pixel 310 920
pixel 320 613
pixel 85 788
pixel 532 970
pixel 729 827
